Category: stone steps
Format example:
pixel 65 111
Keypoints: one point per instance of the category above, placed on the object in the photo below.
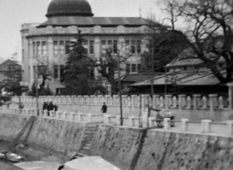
pixel 87 141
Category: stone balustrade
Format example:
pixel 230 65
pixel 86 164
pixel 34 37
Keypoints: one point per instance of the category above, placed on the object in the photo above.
pixel 184 126
pixel 193 107
pixel 213 101
pixel 69 116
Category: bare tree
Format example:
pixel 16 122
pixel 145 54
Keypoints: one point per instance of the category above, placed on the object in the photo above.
pixel 107 64
pixel 163 45
pixel 208 32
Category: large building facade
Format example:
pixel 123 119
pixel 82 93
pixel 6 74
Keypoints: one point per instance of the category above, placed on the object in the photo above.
pixel 44 45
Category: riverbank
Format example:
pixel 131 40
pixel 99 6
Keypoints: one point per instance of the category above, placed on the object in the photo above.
pixel 4 146
pixel 28 155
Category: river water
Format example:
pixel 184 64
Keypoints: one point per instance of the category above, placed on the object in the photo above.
pixel 6 166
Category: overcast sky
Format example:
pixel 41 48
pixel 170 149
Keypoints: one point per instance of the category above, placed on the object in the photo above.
pixel 16 12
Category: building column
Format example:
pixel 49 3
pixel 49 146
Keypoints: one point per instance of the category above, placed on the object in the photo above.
pixel 97 52
pixel 31 74
pixel 50 55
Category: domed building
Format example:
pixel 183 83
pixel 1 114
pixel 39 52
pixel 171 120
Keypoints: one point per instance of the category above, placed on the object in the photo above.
pixel 44 45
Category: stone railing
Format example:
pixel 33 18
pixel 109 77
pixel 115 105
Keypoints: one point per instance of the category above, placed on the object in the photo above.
pixel 212 101
pixel 183 106
pixel 69 116
pixel 184 126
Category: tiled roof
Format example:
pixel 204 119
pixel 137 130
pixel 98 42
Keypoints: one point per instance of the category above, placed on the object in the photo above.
pixel 188 58
pixel 184 78
pixel 136 77
pixel 5 65
pixel 93 21
pixel 182 59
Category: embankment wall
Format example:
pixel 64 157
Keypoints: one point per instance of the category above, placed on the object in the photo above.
pixel 56 136
pixel 134 149
pixel 128 148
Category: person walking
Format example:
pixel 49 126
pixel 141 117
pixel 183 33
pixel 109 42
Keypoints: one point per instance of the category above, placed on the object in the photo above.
pixel 104 108
pixel 45 106
pixel 55 107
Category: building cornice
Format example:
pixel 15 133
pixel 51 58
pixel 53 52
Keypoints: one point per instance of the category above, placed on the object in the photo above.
pixel 90 35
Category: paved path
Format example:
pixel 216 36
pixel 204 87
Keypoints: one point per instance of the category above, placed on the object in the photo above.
pixel 217 129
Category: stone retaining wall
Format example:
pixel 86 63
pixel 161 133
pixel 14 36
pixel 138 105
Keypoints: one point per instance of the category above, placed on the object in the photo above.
pixel 129 148
pixel 57 136
pixel 134 149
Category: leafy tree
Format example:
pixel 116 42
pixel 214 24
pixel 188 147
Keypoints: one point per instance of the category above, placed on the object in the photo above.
pixel 78 77
pixel 208 32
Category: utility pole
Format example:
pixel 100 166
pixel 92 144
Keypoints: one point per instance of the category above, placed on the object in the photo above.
pixel 37 94
pixel 119 81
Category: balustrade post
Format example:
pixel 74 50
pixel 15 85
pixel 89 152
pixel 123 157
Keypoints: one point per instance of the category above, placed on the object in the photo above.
pixel 181 101
pixel 118 120
pixel 131 121
pixel 189 105
pixel 184 125
pixel 166 123
pixel 156 101
pixel 230 95
pixel 168 98
pixel 80 117
pixel 230 127
pixel 206 128
pixel 145 118
pixel 151 122
pixel 89 118
pixel 196 98
pixel 212 101
pixel 106 119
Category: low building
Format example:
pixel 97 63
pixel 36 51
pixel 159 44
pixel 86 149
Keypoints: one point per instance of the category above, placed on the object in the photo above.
pixel 184 75
pixel 10 72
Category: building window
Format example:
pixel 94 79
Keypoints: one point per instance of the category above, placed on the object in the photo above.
pixel 134 69
pixel 138 46
pixel 127 68
pixel 127 46
pixel 103 46
pixel 38 47
pixel 139 68
pixel 44 47
pixel 62 47
pixel 85 43
pixel 109 43
pixel 91 47
pixel 55 71
pixel 62 70
pixel 133 46
pixel 34 48
pixel 55 47
pixel 115 49
pixel 59 47
pixel 67 47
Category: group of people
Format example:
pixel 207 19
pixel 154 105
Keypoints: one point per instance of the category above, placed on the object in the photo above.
pixel 50 106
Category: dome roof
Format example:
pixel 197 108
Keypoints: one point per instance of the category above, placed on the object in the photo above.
pixel 69 8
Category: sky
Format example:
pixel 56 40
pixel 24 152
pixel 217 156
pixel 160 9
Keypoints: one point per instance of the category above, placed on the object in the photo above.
pixel 13 13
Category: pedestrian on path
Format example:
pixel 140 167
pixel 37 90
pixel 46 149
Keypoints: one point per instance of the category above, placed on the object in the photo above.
pixel 104 108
